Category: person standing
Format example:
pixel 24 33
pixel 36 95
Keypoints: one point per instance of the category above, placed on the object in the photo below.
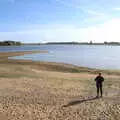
pixel 99 84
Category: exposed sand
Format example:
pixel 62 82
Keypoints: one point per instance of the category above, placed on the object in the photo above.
pixel 5 55
pixel 50 91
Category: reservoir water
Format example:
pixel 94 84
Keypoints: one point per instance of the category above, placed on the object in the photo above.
pixel 93 56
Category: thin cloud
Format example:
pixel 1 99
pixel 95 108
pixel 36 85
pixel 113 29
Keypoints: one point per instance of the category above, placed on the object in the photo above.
pixel 68 4
pixel 109 31
pixel 116 9
pixel 93 12
pixel 95 16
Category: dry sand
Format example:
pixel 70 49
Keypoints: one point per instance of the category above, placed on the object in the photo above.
pixel 50 91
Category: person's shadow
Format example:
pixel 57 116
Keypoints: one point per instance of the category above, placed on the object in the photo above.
pixel 79 101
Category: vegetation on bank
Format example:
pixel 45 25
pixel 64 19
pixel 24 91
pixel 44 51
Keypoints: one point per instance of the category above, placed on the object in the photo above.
pixel 82 43
pixel 17 43
pixel 74 43
pixel 10 43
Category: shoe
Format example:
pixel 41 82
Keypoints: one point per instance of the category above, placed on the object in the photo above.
pixel 97 96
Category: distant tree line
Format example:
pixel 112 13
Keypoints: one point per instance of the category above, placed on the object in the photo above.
pixel 10 43
pixel 82 43
pixel 16 43
pixel 112 43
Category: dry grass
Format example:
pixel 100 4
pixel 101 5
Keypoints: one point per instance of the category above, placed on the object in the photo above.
pixel 50 91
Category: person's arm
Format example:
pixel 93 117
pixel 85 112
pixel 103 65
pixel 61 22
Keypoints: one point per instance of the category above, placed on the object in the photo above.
pixel 102 79
pixel 96 79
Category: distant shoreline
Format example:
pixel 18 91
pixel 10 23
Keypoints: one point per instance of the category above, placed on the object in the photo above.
pixel 75 43
pixel 17 43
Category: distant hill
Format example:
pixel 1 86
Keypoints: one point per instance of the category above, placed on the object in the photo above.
pixel 10 43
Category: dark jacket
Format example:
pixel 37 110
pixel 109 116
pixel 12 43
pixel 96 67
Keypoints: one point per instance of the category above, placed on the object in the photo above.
pixel 99 79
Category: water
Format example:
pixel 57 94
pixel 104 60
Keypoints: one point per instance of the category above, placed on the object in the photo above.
pixel 102 57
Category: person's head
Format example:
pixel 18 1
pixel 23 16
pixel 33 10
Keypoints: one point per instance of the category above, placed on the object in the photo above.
pixel 99 74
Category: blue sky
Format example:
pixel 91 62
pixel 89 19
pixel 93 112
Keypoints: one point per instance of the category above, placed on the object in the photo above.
pixel 60 20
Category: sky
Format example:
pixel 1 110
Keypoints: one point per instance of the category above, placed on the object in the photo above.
pixel 35 21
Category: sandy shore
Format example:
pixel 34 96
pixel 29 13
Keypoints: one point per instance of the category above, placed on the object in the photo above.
pixel 5 55
pixel 51 91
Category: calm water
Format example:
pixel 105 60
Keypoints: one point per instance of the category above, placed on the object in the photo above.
pixel 103 57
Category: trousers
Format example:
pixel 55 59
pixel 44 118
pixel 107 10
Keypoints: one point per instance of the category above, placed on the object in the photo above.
pixel 99 88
